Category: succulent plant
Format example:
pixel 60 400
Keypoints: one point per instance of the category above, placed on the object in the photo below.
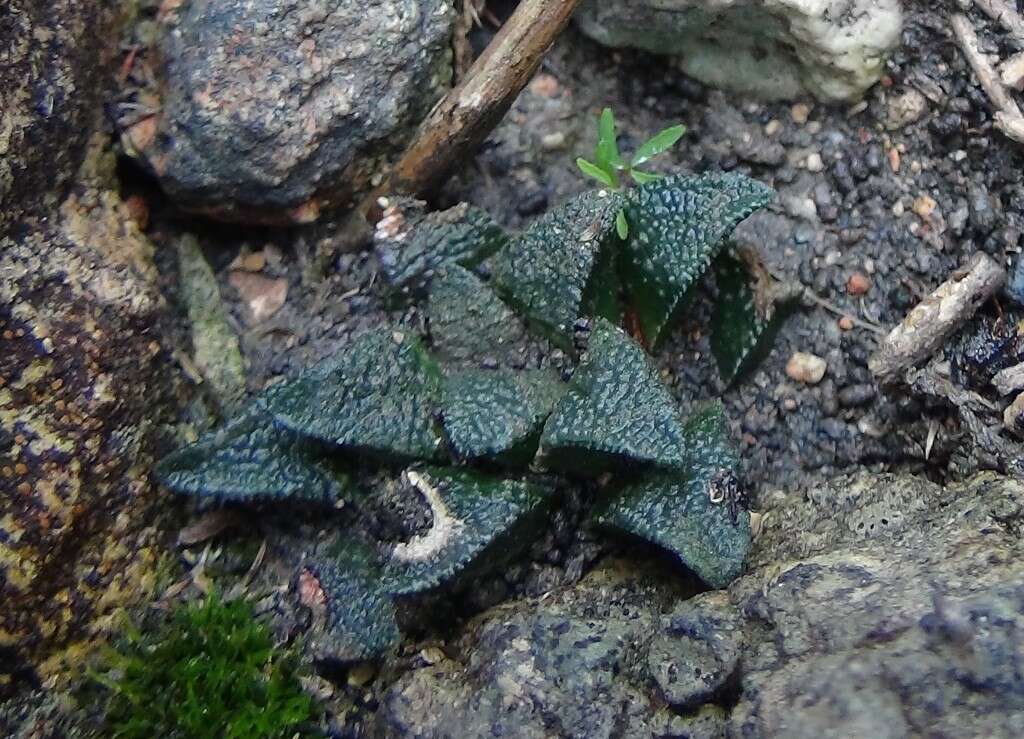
pixel 485 440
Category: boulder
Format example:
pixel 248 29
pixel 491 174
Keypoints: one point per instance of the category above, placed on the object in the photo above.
pixel 52 55
pixel 85 377
pixel 269 110
pixel 763 48
pixel 877 605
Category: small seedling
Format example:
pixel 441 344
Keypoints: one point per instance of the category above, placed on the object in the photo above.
pixel 610 169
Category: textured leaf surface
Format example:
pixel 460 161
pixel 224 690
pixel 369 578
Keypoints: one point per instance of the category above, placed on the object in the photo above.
pixel 674 509
pixel 469 322
pixel 677 225
pixel 743 327
pixel 475 517
pixel 546 274
pixel 359 614
pixel 616 411
pixel 378 397
pixel 498 415
pixel 250 459
pixel 412 246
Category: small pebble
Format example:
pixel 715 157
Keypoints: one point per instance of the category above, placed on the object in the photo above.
pixel 858 284
pixel 806 368
pixel 854 396
pixel 553 141
pixel 894 160
pixel 924 206
pixel 772 127
pixel 800 113
pixel 814 163
pixel 846 323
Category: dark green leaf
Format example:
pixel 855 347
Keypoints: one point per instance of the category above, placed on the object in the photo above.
pixel 412 245
pixel 616 413
pixel 358 616
pixel 498 415
pixel 250 459
pixel 677 225
pixel 642 178
pixel 746 319
pixel 657 144
pixel 475 517
pixel 377 397
pixel 549 273
pixel 595 171
pixel 469 322
pixel 621 225
pixel 688 511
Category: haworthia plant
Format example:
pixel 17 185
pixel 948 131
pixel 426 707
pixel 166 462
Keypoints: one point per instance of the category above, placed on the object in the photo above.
pixel 469 324
pixel 497 416
pixel 677 227
pixel 249 459
pixel 748 314
pixel 378 398
pixel 412 245
pixel 471 511
pixel 617 411
pixel 485 430
pixel 561 267
pixel 682 510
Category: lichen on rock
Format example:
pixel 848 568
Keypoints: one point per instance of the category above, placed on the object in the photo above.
pixel 765 48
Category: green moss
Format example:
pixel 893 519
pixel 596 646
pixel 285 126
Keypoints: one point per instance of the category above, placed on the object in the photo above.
pixel 211 670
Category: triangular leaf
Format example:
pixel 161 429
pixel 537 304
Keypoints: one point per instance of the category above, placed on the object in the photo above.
pixel 596 171
pixel 677 225
pixel 747 318
pixel 662 141
pixel 469 323
pixel 358 614
pixel 692 511
pixel 378 397
pixel 498 415
pixel 547 273
pixel 472 512
pixel 250 459
pixel 616 412
pixel 412 245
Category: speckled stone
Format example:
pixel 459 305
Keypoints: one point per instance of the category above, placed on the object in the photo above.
pixel 270 110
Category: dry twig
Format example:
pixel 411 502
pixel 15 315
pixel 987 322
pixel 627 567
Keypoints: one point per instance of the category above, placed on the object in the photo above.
pixel 1008 116
pixel 936 317
pixel 1003 13
pixel 466 115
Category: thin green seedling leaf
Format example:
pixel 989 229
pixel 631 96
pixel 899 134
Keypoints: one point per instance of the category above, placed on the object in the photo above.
pixel 622 225
pixel 657 144
pixel 642 178
pixel 608 157
pixel 592 170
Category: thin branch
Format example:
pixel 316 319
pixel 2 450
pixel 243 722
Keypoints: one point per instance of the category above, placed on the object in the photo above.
pixel 936 317
pixel 1008 116
pixel 460 122
pixel 1003 13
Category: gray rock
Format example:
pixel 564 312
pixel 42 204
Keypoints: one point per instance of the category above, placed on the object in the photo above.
pixel 697 652
pixel 273 109
pixel 765 48
pixel 875 606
